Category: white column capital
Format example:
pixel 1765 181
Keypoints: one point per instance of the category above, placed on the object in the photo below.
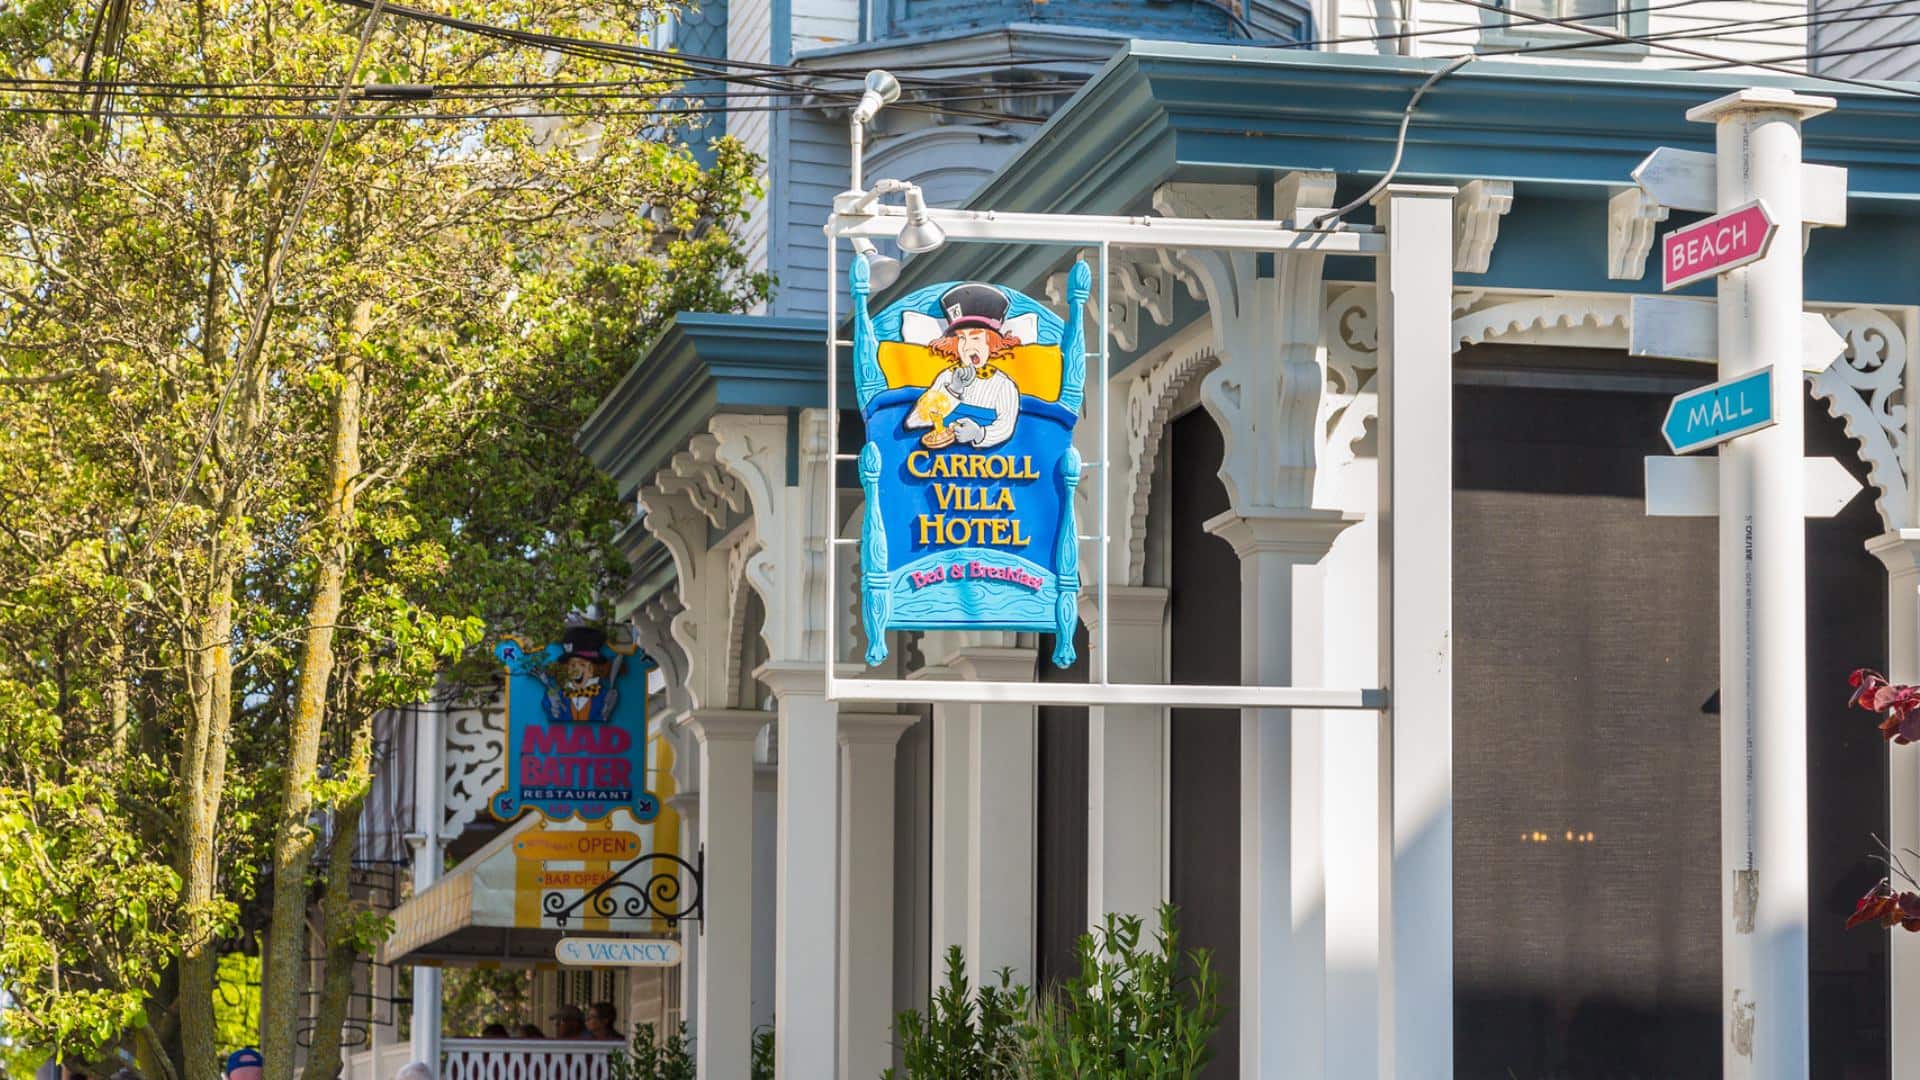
pixel 1899 551
pixel 1418 191
pixel 995 664
pixel 1305 535
pixel 787 678
pixel 727 725
pixel 1134 606
pixel 873 729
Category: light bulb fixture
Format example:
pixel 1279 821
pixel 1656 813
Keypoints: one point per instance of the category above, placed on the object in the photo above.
pixel 882 270
pixel 921 233
pixel 882 90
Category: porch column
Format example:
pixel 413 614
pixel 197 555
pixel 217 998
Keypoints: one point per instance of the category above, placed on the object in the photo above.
pixel 952 735
pixel 1001 759
pixel 1282 906
pixel 1900 551
pixel 1353 784
pixel 867 742
pixel 687 805
pixel 429 817
pixel 1415 387
pixel 1126 764
pixel 805 995
pixel 724 1026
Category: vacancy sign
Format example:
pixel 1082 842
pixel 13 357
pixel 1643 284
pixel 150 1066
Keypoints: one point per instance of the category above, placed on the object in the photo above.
pixel 1713 414
pixel 617 952
pixel 1716 245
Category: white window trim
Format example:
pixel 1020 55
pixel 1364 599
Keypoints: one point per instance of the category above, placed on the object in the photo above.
pixel 1522 34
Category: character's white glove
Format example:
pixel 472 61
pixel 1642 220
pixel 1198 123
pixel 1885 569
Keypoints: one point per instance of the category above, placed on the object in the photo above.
pixel 966 430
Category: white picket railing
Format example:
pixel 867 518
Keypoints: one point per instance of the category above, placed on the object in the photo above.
pixel 524 1059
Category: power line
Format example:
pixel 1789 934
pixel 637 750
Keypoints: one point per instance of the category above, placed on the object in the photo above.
pixel 1656 41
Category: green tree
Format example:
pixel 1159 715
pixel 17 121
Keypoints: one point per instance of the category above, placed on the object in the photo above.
pixel 285 422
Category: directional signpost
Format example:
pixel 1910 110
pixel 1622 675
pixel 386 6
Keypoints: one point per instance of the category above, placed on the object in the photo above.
pixel 1713 414
pixel 1755 186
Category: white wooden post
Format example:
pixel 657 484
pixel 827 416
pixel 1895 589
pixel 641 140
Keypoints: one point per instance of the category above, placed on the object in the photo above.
pixel 1763 613
pixel 1415 386
pixel 948 889
pixel 1001 783
pixel 687 805
pixel 429 817
pixel 867 742
pixel 724 999
pixel 805 996
pixel 1353 824
pixel 1900 551
pixel 1282 915
pixel 1126 765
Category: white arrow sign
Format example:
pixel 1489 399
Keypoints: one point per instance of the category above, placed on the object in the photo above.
pixel 1690 486
pixel 1674 328
pixel 1685 180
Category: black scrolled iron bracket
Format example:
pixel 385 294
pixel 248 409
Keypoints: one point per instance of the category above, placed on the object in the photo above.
pixel 657 896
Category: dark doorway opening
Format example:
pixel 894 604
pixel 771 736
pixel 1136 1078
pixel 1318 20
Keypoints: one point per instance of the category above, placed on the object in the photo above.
pixel 1586 738
pixel 1203 592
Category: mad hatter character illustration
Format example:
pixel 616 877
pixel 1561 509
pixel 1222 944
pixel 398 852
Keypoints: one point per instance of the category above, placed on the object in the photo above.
pixel 972 402
pixel 583 691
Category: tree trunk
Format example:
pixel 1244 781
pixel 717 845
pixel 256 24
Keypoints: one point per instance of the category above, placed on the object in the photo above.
pixel 204 776
pixel 293 840
pixel 336 909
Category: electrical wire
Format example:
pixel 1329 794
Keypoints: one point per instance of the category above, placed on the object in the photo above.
pixel 1656 41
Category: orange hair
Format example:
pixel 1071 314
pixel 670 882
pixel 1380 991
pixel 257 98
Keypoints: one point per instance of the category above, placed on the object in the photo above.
pixel 998 345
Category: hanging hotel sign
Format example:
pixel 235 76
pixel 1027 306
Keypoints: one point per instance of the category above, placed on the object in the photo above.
pixel 576 730
pixel 970 392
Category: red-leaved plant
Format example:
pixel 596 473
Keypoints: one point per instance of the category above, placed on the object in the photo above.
pixel 1899 710
pixel 1898 706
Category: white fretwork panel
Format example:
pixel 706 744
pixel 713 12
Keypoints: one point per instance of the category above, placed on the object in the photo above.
pixel 511 1059
pixel 476 762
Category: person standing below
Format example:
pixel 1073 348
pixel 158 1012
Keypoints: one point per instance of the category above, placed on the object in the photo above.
pixel 245 1064
pixel 569 1023
pixel 600 1020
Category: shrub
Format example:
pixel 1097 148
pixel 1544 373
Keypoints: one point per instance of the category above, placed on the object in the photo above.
pixel 965 1035
pixel 646 1058
pixel 1131 1013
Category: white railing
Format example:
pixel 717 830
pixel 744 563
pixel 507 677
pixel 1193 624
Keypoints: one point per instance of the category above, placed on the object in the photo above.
pixel 377 1065
pixel 524 1059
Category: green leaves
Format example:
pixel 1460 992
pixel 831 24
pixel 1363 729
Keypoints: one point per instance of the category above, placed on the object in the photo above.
pixel 648 1057
pixel 163 483
pixel 1132 1012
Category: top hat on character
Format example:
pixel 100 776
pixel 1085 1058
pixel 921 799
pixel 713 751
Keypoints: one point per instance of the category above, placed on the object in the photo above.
pixel 974 305
pixel 583 643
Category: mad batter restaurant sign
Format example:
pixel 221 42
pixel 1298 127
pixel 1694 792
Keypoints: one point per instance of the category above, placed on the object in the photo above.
pixel 970 392
pixel 576 730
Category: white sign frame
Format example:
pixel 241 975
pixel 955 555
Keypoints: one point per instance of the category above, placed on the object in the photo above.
pixel 864 216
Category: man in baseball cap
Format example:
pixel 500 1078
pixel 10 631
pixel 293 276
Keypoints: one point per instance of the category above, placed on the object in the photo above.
pixel 245 1064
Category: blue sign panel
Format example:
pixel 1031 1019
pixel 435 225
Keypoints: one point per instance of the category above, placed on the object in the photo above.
pixel 576 730
pixel 1713 414
pixel 970 392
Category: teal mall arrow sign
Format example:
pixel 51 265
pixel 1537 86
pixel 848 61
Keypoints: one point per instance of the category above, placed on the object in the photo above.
pixel 1713 414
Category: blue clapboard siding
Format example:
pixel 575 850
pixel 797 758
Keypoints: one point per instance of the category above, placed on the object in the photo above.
pixel 949 162
pixel 702 31
pixel 816 169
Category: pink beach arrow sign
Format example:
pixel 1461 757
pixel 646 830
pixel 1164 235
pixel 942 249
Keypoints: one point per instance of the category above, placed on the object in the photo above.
pixel 1716 245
